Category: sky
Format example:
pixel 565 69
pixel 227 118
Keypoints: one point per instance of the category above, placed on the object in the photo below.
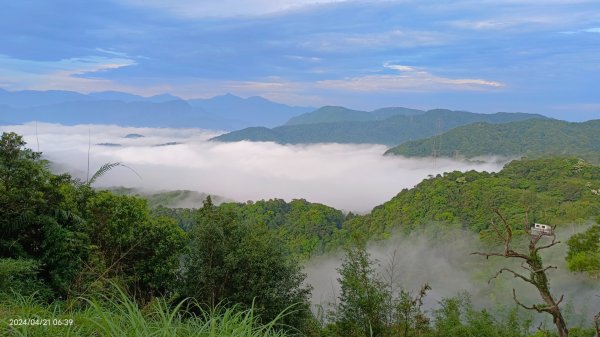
pixel 240 171
pixel 538 56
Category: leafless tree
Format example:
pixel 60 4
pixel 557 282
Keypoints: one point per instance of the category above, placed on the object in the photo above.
pixel 531 261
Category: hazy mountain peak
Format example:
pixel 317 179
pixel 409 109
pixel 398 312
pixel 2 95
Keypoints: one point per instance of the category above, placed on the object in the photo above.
pixel 164 98
pixel 224 112
pixel 334 114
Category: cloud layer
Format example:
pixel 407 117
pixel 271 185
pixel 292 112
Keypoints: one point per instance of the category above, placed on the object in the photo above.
pixel 349 177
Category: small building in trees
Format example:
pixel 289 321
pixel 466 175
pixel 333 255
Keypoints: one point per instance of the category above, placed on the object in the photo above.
pixel 539 229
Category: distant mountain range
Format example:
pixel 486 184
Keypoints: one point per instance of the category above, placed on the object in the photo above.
pixel 532 138
pixel 226 112
pixel 389 126
pixel 335 114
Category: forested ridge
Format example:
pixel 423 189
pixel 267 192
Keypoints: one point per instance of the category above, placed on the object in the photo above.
pixel 532 138
pixel 385 126
pixel 115 266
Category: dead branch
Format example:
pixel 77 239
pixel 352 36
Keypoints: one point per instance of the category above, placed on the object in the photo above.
pixel 531 262
pixel 515 274
pixel 523 305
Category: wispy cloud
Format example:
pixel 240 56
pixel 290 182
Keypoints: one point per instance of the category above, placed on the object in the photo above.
pixel 65 74
pixel 226 8
pixel 358 42
pixel 516 21
pixel 592 30
pixel 407 78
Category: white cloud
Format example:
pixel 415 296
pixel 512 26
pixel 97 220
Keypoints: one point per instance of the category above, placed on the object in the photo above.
pixel 226 8
pixel 408 79
pixel 508 22
pixel 352 42
pixel 349 177
pixel 65 74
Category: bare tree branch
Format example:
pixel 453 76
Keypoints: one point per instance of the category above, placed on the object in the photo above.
pixel 515 274
pixel 532 262
pixel 523 305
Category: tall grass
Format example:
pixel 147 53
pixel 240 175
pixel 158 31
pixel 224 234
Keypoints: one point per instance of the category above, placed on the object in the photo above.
pixel 123 317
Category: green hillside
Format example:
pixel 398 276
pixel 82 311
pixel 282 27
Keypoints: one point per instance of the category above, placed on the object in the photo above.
pixel 556 191
pixel 390 131
pixel 534 137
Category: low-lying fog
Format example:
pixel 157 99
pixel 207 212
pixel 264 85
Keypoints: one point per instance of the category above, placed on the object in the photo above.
pixel 348 177
pixel 445 262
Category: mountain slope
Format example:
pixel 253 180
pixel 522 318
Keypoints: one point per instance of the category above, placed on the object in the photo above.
pixel 333 114
pixel 390 131
pixel 556 191
pixel 534 137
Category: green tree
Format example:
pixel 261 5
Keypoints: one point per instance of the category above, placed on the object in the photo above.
pixel 457 317
pixel 36 222
pixel 408 318
pixel 130 246
pixel 231 263
pixel 584 251
pixel 363 299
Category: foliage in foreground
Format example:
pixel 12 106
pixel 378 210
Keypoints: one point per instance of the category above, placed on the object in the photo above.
pixel 229 262
pixel 124 317
pixel 63 240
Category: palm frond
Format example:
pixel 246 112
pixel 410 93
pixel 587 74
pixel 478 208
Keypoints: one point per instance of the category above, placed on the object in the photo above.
pixel 107 167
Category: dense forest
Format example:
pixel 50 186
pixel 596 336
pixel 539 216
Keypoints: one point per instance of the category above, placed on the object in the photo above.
pixel 90 262
pixel 532 138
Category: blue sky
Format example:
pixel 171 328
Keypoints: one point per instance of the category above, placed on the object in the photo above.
pixel 539 56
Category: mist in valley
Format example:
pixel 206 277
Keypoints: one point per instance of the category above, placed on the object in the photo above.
pixel 443 259
pixel 349 177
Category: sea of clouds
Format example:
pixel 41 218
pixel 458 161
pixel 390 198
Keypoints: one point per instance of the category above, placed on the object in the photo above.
pixel 351 177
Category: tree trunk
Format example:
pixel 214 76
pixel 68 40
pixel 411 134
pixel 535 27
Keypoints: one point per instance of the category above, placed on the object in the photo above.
pixel 540 280
pixel 597 324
